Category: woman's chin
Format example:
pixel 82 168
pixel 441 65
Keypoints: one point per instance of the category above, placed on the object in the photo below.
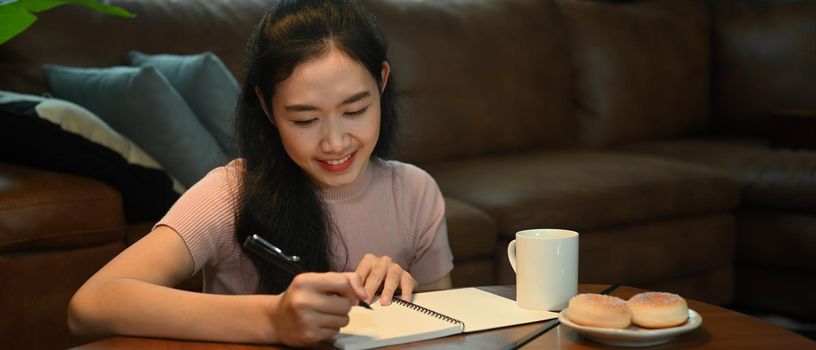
pixel 330 179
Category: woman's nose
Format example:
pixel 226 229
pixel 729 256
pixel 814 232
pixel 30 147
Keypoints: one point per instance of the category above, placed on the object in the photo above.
pixel 335 136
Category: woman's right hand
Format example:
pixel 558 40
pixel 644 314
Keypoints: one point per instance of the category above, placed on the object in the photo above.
pixel 316 306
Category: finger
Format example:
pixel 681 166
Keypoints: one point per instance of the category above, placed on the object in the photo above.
pixel 407 284
pixel 365 265
pixel 307 303
pixel 392 280
pixel 317 310
pixel 334 304
pixel 328 321
pixel 315 335
pixel 324 282
pixel 329 292
pixel 363 270
pixel 357 285
pixel 336 322
pixel 375 279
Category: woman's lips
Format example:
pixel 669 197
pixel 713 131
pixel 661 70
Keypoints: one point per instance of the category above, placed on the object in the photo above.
pixel 336 166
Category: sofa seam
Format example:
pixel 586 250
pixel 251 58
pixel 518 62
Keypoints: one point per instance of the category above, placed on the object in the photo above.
pixel 86 233
pixel 42 204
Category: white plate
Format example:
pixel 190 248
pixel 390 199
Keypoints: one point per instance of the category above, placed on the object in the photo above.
pixel 633 335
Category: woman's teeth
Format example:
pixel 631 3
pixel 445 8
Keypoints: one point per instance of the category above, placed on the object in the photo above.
pixel 338 162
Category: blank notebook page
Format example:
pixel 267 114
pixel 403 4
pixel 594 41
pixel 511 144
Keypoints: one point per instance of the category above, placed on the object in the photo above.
pixel 479 310
pixel 389 325
pixel 397 324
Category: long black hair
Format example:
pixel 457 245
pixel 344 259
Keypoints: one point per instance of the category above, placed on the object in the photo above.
pixel 277 200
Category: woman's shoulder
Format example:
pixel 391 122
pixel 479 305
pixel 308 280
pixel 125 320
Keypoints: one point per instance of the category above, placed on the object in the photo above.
pixel 221 179
pixel 405 174
pixel 231 171
pixel 235 167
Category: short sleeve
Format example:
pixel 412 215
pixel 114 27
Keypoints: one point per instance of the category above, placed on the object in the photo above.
pixel 433 259
pixel 204 216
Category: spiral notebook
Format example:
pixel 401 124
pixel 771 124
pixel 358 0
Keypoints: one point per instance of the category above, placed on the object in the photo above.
pixel 432 315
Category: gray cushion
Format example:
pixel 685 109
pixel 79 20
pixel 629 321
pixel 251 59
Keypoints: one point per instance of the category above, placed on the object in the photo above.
pixel 142 105
pixel 206 85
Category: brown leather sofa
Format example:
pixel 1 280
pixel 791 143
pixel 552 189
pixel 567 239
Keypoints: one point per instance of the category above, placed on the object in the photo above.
pixel 640 124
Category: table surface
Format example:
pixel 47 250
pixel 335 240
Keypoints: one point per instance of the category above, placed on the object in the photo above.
pixel 721 329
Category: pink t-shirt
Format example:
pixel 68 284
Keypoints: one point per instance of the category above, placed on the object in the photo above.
pixel 394 209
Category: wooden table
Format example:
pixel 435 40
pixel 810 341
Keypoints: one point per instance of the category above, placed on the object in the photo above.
pixel 721 329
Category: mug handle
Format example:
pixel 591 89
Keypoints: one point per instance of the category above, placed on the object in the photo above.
pixel 511 254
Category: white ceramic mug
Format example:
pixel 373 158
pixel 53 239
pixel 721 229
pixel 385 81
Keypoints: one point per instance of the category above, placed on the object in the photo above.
pixel 546 266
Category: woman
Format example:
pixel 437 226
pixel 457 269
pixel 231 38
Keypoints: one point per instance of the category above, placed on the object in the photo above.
pixel 316 117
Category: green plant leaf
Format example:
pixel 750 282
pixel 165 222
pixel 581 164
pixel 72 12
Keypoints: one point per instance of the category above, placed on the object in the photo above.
pixel 111 10
pixel 17 16
pixel 42 5
pixel 14 19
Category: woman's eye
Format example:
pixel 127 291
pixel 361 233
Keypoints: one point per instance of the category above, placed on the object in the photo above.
pixel 305 122
pixel 357 112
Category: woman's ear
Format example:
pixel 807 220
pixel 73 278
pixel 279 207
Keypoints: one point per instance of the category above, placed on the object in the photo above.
pixel 386 71
pixel 261 98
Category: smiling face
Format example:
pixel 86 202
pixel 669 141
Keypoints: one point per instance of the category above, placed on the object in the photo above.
pixel 328 115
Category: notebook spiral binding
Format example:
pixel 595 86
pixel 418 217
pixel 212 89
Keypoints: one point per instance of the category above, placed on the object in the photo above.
pixel 429 312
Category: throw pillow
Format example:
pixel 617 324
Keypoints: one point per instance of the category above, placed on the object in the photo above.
pixel 57 135
pixel 206 85
pixel 142 105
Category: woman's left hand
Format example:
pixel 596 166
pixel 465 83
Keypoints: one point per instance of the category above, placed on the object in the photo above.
pixel 381 270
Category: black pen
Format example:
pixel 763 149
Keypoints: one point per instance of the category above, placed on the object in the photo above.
pixel 269 252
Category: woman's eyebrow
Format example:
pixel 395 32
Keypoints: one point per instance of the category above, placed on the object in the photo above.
pixel 306 108
pixel 356 97
pixel 300 108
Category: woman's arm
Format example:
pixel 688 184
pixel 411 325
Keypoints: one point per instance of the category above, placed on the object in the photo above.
pixel 131 295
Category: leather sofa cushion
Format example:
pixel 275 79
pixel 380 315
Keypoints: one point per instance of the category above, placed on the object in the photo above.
pixel 583 190
pixel 473 273
pixel 471 232
pixel 48 210
pixel 463 65
pixel 713 286
pixel 776 240
pixel 84 37
pixel 771 178
pixel 653 251
pixel 136 231
pixel 784 291
pixel 36 290
pixel 765 58
pixel 641 68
